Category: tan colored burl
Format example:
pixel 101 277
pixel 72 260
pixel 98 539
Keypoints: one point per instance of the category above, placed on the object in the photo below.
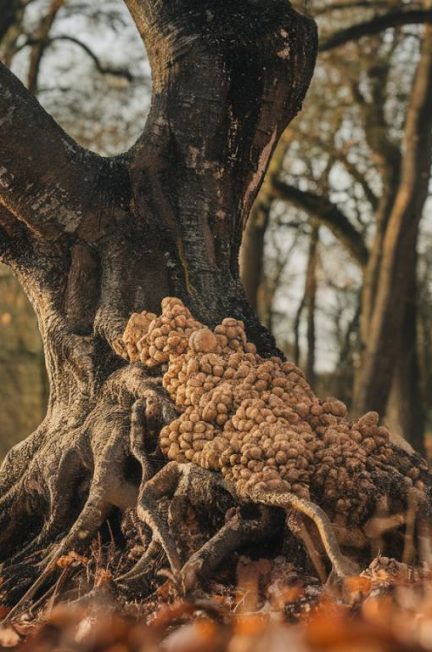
pixel 258 423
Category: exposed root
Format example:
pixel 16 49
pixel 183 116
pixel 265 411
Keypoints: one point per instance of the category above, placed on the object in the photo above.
pixel 188 485
pixel 49 565
pixel 90 463
pixel 61 486
pixel 163 484
pixel 16 460
pixel 136 578
pixel 237 532
pixel 238 430
pixel 89 452
pixel 299 528
pixel 342 566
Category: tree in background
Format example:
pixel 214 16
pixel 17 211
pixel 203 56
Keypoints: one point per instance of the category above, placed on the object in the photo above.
pixel 369 116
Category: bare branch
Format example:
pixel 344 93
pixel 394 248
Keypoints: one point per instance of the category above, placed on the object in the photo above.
pixel 352 4
pixel 102 68
pixel 338 155
pixel 326 213
pixel 41 43
pixel 375 26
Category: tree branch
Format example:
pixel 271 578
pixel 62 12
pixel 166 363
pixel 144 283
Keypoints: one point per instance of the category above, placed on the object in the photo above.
pixel 46 180
pixel 352 4
pixel 340 156
pixel 326 213
pixel 102 68
pixel 41 42
pixel 375 26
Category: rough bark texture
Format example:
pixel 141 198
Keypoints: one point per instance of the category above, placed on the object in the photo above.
pixel 93 239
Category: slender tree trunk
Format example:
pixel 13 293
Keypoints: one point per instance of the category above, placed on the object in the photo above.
pixel 308 301
pixel 39 47
pixel 252 253
pixel 385 309
pixel 252 247
pixel 405 409
pixel 310 293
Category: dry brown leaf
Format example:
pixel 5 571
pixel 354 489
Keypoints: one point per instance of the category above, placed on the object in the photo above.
pixel 9 637
pixel 250 624
pixel 200 636
pixel 71 558
pixel 358 585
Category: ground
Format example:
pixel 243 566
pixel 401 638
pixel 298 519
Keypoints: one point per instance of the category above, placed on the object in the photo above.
pixel 272 607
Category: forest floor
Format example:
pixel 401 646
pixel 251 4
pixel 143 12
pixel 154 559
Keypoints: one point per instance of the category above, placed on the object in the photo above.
pixel 271 608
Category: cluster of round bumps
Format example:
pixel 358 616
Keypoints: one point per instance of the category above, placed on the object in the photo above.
pixel 257 420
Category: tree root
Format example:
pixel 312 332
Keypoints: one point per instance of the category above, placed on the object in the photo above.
pixel 237 532
pixel 94 475
pixel 189 484
pixel 342 566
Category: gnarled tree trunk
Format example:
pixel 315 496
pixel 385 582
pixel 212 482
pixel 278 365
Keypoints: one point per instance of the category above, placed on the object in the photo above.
pixel 94 239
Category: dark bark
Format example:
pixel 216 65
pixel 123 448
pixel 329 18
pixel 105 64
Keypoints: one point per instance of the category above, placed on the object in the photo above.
pixel 215 172
pixel 93 239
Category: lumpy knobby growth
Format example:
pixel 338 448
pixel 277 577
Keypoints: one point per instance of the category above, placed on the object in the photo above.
pixel 258 422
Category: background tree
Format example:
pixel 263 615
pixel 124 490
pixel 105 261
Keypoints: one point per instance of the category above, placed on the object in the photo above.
pixel 376 108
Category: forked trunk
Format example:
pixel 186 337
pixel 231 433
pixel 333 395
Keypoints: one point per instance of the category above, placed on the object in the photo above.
pixel 93 240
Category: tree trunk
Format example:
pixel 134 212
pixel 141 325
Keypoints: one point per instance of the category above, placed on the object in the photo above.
pixel 94 239
pixel 310 293
pixel 252 247
pixel 308 301
pixel 388 286
pixel 405 409
pixel 252 253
